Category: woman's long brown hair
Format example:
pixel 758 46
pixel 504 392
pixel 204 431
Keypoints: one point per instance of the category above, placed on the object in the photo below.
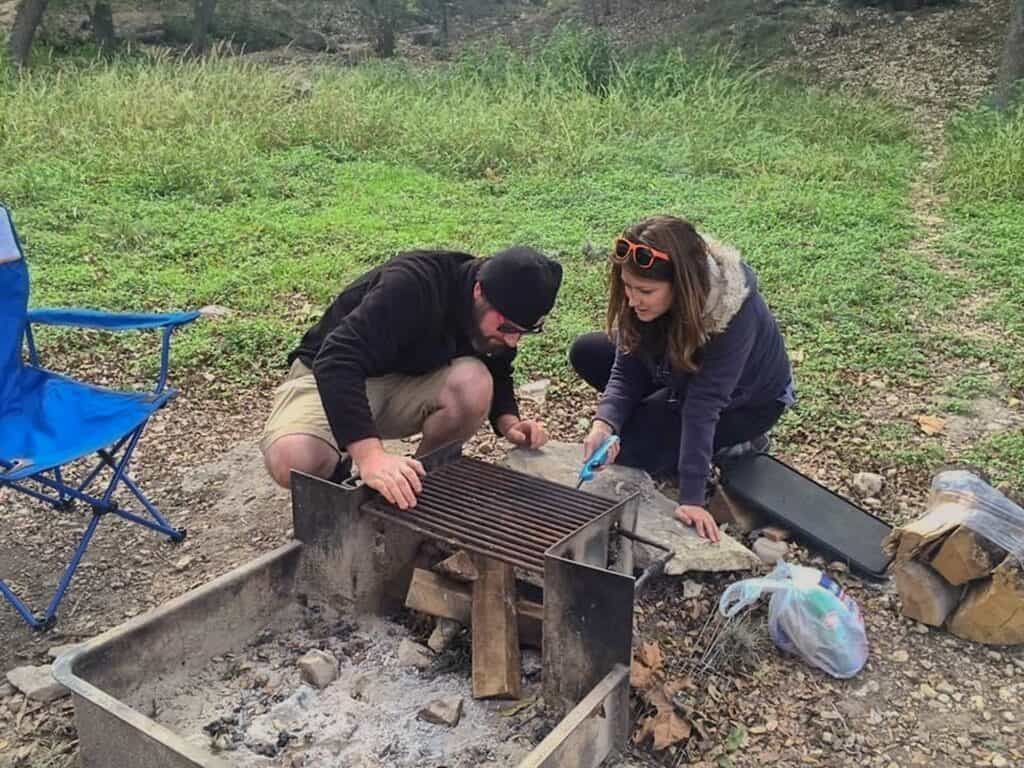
pixel 681 331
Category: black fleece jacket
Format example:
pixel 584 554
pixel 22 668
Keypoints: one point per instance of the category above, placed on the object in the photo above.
pixel 411 315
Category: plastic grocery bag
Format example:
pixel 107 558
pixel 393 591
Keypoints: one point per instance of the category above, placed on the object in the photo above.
pixel 809 615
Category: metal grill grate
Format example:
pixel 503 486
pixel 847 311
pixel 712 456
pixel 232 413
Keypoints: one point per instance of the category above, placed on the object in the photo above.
pixel 495 511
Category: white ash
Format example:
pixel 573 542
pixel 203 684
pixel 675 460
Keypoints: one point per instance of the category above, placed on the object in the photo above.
pixel 254 709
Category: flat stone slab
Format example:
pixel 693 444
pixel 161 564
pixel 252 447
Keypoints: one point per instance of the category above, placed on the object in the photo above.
pixel 37 683
pixel 560 462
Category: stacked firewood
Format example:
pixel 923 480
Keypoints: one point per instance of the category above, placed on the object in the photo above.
pixel 948 570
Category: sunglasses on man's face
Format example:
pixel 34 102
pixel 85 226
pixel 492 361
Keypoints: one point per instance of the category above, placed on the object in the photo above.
pixel 643 255
pixel 511 329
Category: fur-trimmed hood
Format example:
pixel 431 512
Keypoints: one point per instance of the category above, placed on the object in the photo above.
pixel 731 283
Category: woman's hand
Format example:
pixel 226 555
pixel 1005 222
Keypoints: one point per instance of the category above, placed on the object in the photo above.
pixel 700 519
pixel 599 432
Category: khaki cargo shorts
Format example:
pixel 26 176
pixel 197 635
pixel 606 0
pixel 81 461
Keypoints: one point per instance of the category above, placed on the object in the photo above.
pixel 399 403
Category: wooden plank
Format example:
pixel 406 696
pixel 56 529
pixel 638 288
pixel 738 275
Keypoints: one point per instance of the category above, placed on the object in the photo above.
pixel 592 730
pixel 925 596
pixel 993 611
pixel 966 556
pixel 444 598
pixel 496 665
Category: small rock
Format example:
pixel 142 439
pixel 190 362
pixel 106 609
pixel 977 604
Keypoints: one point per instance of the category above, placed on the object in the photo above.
pixel 867 484
pixel 827 737
pixel 692 589
pixel 536 391
pixel 222 742
pixel 770 551
pixel 921 629
pixel 6 689
pixel 444 632
pixel 459 566
pixel 927 691
pixel 998 761
pixel 318 668
pixel 358 688
pixel 183 563
pixel 443 711
pixel 1009 716
pixel 964 742
pixel 530 662
pixel 412 654
pixel 214 311
pixel 57 651
pixel 37 683
pixel 901 657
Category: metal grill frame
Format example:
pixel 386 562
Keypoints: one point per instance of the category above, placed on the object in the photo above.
pixel 477 506
pixel 363 558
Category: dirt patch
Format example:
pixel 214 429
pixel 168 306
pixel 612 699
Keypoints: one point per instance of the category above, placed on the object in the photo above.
pixel 986 416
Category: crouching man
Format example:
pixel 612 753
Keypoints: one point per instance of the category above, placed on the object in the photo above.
pixel 423 343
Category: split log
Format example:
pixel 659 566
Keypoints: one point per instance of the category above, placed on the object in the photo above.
pixel 993 611
pixel 459 566
pixel 926 533
pixel 926 596
pixel 496 664
pixel 727 510
pixel 965 556
pixel 446 598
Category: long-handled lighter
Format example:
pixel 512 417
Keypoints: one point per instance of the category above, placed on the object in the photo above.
pixel 599 457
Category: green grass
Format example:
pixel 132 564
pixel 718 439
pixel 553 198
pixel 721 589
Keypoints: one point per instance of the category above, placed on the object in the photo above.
pixel 148 183
pixel 984 180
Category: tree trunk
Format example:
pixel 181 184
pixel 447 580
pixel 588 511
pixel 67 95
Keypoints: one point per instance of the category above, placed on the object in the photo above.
pixel 385 43
pixel 102 19
pixel 201 25
pixel 1011 72
pixel 26 21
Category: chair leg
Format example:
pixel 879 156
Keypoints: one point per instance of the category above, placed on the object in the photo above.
pixel 162 525
pixel 50 617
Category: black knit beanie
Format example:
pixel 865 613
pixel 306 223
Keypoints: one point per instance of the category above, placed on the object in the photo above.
pixel 521 283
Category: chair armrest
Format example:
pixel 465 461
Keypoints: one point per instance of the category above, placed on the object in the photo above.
pixel 109 321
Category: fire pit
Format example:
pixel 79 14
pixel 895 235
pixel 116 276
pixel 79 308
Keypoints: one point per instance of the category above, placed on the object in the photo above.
pixel 355 555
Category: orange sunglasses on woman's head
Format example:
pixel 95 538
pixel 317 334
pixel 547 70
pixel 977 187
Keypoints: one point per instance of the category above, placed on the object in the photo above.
pixel 643 255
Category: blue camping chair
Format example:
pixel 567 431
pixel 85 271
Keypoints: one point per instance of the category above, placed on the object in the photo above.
pixel 48 420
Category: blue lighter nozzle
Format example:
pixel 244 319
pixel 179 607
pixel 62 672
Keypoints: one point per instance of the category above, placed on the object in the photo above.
pixel 598 458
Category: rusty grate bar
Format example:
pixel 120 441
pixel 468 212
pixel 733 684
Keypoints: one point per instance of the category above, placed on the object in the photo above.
pixel 495 511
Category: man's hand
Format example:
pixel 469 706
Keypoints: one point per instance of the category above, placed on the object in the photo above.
pixel 699 518
pixel 599 432
pixel 526 434
pixel 396 478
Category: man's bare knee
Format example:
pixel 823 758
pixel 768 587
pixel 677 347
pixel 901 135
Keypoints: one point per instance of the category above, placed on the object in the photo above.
pixel 469 389
pixel 303 453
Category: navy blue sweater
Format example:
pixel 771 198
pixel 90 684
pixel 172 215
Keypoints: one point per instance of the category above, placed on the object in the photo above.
pixel 744 365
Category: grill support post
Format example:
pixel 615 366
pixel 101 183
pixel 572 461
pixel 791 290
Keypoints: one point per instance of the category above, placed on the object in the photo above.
pixel 355 558
pixel 588 613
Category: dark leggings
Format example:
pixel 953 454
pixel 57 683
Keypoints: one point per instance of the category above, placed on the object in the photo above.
pixel 650 438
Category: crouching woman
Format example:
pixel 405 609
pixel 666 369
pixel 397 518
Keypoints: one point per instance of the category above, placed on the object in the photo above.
pixel 692 364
